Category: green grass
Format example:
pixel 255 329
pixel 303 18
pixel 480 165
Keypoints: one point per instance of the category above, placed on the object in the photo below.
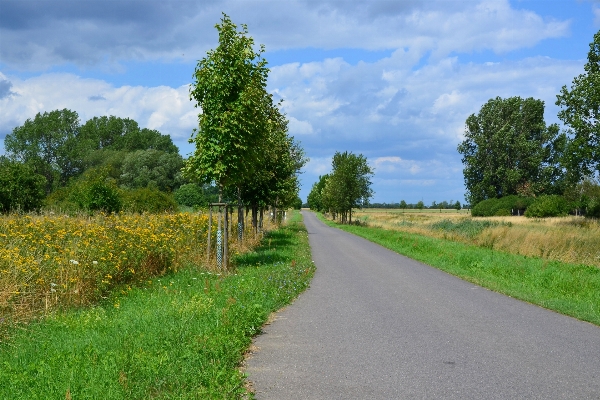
pixel 566 288
pixel 181 337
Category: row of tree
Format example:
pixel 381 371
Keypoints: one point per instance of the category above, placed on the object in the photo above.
pixel 347 187
pixel 509 150
pixel 420 205
pixel 242 144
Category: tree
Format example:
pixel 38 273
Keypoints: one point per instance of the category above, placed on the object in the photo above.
pixel 508 148
pixel 403 205
pixel 420 205
pixel 46 144
pixel 21 189
pixel 315 200
pixel 349 185
pixel 457 206
pixel 228 85
pixel 581 113
pixel 151 168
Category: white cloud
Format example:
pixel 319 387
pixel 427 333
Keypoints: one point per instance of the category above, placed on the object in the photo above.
pixel 37 35
pixel 163 108
pixel 297 127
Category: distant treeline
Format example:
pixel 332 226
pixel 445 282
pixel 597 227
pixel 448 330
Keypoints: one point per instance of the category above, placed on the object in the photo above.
pixel 444 205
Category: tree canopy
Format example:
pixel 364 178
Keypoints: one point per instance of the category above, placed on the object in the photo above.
pixel 581 113
pixel 508 149
pixel 348 186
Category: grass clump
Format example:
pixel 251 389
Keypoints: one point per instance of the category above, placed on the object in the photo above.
pixel 571 289
pixel 467 227
pixel 181 336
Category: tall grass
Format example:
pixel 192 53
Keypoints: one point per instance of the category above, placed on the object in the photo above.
pixel 574 240
pixel 181 337
pixel 49 261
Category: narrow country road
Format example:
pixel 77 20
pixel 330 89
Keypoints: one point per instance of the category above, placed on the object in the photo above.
pixel 377 325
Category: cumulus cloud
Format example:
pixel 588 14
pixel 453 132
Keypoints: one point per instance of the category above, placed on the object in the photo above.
pixel 39 34
pixel 166 109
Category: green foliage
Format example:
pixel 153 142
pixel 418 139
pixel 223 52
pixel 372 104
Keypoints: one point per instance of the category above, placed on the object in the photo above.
pixel 148 200
pixel 403 205
pixel 548 206
pixel 230 88
pixel 581 113
pixel 315 197
pixel 509 150
pixel 21 189
pixel 420 205
pixel 348 186
pixel 190 195
pixel 46 143
pixel 297 204
pixel 151 168
pixel 504 206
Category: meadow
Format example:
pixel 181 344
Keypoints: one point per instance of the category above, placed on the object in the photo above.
pixel 569 239
pixel 180 334
pixel 53 262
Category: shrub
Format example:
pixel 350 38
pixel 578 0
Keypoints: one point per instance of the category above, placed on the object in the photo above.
pixel 148 200
pixel 503 206
pixel 548 206
pixel 21 189
pixel 190 195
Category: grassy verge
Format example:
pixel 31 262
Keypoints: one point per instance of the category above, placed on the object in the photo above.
pixel 182 336
pixel 567 288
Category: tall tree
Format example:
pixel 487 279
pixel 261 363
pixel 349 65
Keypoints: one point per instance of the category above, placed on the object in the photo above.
pixel 581 113
pixel 508 149
pixel 45 143
pixel 228 85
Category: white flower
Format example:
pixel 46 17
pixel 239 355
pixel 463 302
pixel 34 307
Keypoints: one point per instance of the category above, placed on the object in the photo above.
pixel 74 262
pixel 95 262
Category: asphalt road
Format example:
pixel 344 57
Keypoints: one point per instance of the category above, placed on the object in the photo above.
pixel 377 325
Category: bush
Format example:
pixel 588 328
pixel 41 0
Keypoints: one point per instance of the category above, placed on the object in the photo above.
pixel 548 206
pixel 503 206
pixel 21 189
pixel 190 195
pixel 148 200
pixel 94 191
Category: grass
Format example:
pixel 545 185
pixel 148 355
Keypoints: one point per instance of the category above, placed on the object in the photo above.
pixel 571 289
pixel 574 240
pixel 182 336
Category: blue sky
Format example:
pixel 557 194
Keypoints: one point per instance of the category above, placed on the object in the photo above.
pixel 392 80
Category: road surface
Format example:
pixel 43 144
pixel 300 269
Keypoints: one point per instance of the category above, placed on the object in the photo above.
pixel 377 325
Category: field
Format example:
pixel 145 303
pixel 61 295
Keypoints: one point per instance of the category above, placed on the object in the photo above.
pixel 180 335
pixel 50 262
pixel 570 239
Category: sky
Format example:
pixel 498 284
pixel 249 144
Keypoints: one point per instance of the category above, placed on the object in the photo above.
pixel 393 80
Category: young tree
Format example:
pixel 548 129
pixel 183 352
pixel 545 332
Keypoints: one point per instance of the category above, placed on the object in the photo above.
pixel 228 85
pixel 508 146
pixel 315 199
pixel 420 205
pixel 581 113
pixel 403 205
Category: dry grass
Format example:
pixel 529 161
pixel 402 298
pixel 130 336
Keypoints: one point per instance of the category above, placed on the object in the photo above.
pixel 568 239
